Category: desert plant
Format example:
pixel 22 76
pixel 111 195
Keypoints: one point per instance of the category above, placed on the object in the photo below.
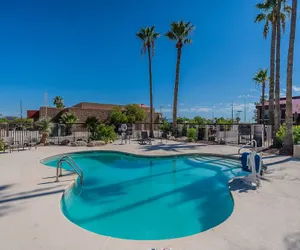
pixel 179 32
pixel 69 118
pixel 58 101
pixel 288 141
pixel 280 135
pixel 191 134
pixel 165 127
pixel 134 113
pixel 91 124
pixel 104 133
pixel 268 14
pixel 2 145
pixel 45 127
pixel 148 37
pixel 3 120
pixel 261 77
pixel 296 134
pixel 117 117
pixel 22 123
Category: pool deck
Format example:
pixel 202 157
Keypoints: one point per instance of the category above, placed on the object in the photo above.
pixel 30 215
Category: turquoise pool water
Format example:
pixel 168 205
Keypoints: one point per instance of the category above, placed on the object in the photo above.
pixel 145 198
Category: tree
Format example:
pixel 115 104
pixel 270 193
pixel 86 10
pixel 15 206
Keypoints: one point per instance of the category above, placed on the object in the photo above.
pixel 261 77
pixel 69 118
pixel 3 120
pixel 179 32
pixel 117 116
pixel 148 37
pixel 268 13
pixel 200 120
pixel 134 113
pixel 45 127
pixel 288 140
pixel 58 101
pixel 91 124
pixel 280 20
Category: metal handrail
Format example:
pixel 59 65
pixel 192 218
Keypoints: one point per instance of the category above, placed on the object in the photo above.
pixel 72 164
pixel 249 143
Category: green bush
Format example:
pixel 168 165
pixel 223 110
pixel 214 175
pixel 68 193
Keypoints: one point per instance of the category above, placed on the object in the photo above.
pixel 281 134
pixel 191 134
pixel 104 133
pixel 279 138
pixel 296 134
pixel 1 145
pixel 165 127
pixel 3 120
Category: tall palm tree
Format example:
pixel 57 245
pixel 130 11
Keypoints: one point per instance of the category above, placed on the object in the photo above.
pixel 261 77
pixel 268 15
pixel 281 15
pixel 288 140
pixel 58 101
pixel 179 32
pixel 148 37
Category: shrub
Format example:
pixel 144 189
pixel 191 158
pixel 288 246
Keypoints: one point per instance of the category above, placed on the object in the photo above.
pixel 281 134
pixel 117 116
pixel 45 127
pixel 2 145
pixel 165 127
pixel 279 138
pixel 191 134
pixel 69 118
pixel 104 133
pixel 3 120
pixel 296 134
pixel 184 130
pixel 134 113
pixel 91 124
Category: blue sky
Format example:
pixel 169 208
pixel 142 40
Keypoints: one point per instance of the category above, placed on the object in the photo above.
pixel 87 51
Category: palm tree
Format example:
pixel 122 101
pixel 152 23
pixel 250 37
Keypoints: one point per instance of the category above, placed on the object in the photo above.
pixel 288 140
pixel 261 77
pixel 268 13
pixel 281 16
pixel 179 32
pixel 45 128
pixel 69 118
pixel 148 37
pixel 58 101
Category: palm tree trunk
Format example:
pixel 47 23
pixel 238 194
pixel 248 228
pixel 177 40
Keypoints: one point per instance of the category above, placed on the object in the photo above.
pixel 44 139
pixel 277 81
pixel 151 92
pixel 288 140
pixel 176 91
pixel 263 102
pixel 272 71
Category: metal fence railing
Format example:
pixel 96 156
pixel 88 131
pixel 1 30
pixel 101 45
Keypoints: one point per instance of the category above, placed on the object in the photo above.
pixel 222 134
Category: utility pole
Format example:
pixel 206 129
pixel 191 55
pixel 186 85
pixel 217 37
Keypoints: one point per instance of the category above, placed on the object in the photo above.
pixel 232 112
pixel 21 109
pixel 46 103
pixel 245 111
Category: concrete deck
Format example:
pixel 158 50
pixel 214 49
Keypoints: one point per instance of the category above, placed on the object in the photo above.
pixel 30 215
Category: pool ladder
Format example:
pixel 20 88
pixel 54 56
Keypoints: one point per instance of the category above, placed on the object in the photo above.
pixel 247 144
pixel 72 164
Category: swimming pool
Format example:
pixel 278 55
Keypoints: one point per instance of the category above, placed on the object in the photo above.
pixel 149 198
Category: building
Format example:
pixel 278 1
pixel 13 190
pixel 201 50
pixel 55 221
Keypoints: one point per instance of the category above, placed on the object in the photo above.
pixel 296 110
pixel 84 110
